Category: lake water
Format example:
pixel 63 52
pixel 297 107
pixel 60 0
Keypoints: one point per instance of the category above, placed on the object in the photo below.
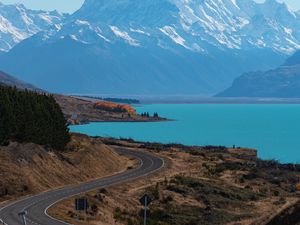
pixel 272 129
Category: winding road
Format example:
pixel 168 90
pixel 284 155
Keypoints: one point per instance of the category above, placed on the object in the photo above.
pixel 37 206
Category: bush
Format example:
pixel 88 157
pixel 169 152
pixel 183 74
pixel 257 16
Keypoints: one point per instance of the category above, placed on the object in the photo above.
pixel 167 199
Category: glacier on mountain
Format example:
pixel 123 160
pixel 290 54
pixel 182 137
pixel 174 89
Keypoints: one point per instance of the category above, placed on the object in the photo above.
pixel 18 23
pixel 236 24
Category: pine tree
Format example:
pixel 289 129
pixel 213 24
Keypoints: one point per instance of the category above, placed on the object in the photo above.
pixel 31 117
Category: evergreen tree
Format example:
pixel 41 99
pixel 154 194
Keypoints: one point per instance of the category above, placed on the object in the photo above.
pixel 31 117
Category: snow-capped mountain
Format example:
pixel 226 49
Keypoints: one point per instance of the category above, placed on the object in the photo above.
pixel 18 23
pixel 193 24
pixel 157 46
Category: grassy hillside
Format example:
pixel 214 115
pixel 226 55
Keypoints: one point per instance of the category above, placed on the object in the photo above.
pixel 30 168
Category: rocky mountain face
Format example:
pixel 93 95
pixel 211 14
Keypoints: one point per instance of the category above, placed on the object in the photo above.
pixel 18 23
pixel 194 24
pixel 283 82
pixel 156 46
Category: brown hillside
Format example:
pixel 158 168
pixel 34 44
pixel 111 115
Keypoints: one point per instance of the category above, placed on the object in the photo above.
pixel 29 168
pixel 200 186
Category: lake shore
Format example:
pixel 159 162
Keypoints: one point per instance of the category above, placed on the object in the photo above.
pixel 270 128
pixel 79 111
pixel 218 100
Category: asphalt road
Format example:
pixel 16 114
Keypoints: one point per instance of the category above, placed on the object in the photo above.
pixel 37 206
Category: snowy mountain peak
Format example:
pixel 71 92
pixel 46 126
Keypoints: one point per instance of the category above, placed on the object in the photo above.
pixel 234 24
pixel 187 46
pixel 18 23
pixel 189 24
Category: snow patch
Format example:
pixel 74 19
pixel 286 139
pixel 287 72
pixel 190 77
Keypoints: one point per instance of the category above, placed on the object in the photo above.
pixel 82 23
pixel 139 31
pixel 288 30
pixel 173 35
pixel 235 3
pixel 99 33
pixel 124 35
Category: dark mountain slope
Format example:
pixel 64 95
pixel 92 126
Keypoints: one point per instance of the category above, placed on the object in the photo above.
pixel 68 66
pixel 7 80
pixel 283 82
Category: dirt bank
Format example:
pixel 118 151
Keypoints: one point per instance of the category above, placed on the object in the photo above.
pixel 29 168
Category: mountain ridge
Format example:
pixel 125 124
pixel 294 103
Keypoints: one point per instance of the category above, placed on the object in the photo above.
pixel 188 47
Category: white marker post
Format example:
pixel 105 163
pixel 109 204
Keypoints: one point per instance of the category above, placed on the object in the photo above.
pixel 85 208
pixel 145 201
pixel 145 210
pixel 23 216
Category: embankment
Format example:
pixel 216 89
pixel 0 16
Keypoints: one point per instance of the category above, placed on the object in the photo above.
pixel 29 168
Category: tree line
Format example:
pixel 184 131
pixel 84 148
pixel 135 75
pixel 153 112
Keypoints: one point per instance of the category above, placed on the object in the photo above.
pixel 129 101
pixel 147 114
pixel 27 116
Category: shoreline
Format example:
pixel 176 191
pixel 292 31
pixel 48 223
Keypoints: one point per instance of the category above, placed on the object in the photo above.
pixel 158 145
pixel 195 99
pixel 231 101
pixel 124 121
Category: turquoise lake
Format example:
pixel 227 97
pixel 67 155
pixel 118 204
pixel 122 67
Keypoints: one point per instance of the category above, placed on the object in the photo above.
pixel 274 130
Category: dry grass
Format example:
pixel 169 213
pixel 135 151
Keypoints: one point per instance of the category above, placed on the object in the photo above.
pixel 224 175
pixel 28 168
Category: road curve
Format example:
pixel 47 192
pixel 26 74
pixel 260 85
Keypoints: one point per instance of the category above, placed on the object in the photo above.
pixel 37 206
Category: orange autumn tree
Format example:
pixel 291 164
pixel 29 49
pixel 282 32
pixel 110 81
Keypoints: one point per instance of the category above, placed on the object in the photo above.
pixel 114 107
pixel 298 186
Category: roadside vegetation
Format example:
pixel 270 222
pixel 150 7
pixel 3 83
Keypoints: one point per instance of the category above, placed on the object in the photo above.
pixel 30 117
pixel 207 185
pixel 221 186
pixel 209 200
